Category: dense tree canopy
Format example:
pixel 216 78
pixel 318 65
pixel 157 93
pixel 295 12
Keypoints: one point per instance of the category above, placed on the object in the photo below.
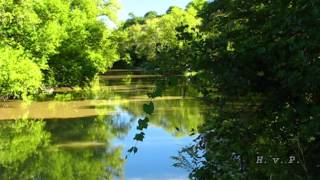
pixel 142 37
pixel 257 62
pixel 62 42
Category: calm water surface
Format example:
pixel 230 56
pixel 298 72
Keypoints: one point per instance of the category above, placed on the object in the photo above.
pixel 85 134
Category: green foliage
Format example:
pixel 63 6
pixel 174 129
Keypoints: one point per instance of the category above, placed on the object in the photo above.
pixel 33 149
pixel 88 48
pixel 65 39
pixel 20 139
pixel 19 75
pixel 143 124
pixel 257 62
pixel 36 26
pixel 196 5
pixel 143 36
pixel 150 14
pixel 148 108
pixel 133 150
pixel 139 136
pixel 63 97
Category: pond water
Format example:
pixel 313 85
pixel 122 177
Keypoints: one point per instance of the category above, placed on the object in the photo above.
pixel 85 134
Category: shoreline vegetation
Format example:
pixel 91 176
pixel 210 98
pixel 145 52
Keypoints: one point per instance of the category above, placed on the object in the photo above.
pixel 255 64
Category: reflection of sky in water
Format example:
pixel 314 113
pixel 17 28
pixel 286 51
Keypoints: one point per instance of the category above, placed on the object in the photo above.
pixel 78 131
pixel 152 161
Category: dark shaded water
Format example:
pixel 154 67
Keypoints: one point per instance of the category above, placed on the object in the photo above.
pixel 85 134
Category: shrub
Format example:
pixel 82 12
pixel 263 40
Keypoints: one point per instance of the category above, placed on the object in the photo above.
pixel 19 75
